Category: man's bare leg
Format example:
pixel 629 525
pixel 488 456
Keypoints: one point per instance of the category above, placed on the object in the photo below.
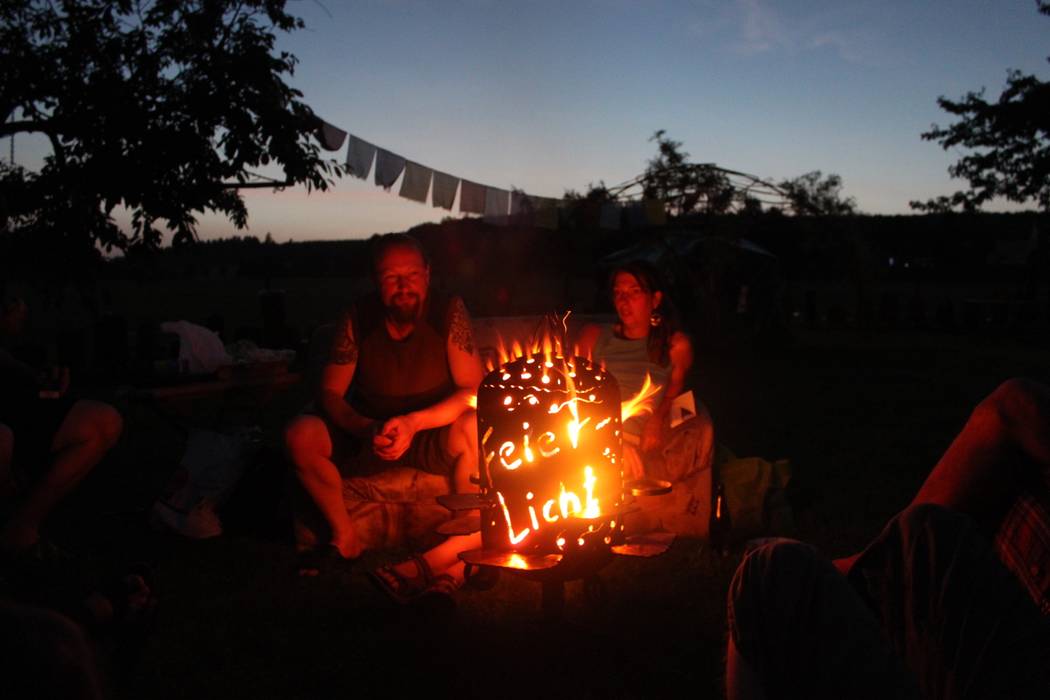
pixel 463 446
pixel 444 558
pixel 87 433
pixel 310 449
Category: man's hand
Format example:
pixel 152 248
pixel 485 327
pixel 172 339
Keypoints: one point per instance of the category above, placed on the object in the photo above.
pixel 653 434
pixel 393 437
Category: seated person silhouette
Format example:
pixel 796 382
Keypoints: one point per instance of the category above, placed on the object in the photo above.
pixel 951 600
pixel 396 391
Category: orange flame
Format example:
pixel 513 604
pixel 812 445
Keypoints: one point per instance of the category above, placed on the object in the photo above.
pixel 642 402
pixel 545 344
pixel 639 404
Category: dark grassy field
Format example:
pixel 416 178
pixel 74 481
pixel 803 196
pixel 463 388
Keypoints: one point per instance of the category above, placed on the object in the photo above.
pixel 861 416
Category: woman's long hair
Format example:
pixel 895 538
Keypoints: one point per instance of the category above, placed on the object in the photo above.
pixel 650 279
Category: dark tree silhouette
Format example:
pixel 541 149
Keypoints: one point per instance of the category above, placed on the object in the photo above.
pixel 1008 140
pixel 812 194
pixel 163 107
pixel 705 188
pixel 685 187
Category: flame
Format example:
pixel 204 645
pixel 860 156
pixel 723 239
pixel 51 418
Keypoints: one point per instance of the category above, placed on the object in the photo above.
pixel 593 510
pixel 515 538
pixel 575 426
pixel 516 561
pixel 574 423
pixel 569 503
pixel 544 344
pixel 506 450
pixel 642 401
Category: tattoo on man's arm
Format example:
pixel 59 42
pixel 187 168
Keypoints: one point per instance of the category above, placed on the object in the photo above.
pixel 344 350
pixel 459 328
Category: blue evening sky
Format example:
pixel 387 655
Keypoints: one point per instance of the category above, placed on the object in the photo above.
pixel 546 96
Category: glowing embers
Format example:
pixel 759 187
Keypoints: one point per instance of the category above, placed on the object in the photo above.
pixel 550 431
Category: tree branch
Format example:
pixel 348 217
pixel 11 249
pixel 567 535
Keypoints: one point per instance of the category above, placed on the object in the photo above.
pixel 255 185
pixel 25 126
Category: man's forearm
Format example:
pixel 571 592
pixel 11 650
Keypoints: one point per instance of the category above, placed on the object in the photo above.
pixel 343 415
pixel 443 412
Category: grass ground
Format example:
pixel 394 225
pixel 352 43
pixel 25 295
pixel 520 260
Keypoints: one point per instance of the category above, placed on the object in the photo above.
pixel 861 416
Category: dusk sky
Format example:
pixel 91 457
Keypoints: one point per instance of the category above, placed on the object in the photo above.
pixel 546 96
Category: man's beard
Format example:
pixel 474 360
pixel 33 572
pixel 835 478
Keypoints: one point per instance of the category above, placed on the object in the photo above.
pixel 404 308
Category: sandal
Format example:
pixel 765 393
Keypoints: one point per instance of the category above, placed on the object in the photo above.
pixel 439 596
pixel 400 588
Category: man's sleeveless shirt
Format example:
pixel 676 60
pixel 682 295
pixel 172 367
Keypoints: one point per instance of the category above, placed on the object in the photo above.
pixel 395 377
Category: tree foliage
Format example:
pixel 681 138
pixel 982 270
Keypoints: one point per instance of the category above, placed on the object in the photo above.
pixel 814 194
pixel 163 107
pixel 685 187
pixel 1008 142
pixel 705 188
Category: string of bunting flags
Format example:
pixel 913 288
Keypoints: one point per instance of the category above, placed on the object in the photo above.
pixel 495 204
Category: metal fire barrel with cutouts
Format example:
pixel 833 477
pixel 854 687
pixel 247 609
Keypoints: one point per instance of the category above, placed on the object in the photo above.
pixel 550 441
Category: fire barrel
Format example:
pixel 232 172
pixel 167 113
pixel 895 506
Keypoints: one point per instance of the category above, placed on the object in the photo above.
pixel 550 442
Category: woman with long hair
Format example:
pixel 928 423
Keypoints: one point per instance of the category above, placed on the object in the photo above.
pixel 647 338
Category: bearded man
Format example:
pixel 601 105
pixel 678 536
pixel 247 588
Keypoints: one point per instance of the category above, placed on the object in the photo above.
pixel 397 390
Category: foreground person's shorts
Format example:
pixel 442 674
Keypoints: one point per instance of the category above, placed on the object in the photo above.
pixel 928 611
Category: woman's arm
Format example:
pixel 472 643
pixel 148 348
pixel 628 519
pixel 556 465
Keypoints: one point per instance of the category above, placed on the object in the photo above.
pixel 653 434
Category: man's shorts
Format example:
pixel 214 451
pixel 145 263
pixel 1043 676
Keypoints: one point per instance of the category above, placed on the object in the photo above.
pixel 354 457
